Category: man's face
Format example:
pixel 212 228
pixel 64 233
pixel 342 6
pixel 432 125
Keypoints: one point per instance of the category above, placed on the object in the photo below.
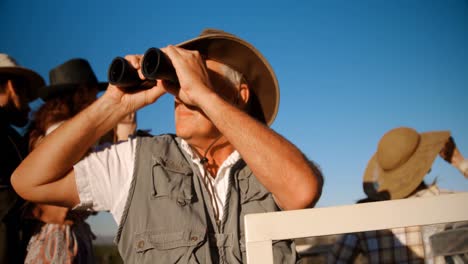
pixel 190 122
pixel 14 103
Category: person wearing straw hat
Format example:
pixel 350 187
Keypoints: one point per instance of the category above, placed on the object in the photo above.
pixel 18 87
pixel 396 171
pixel 182 198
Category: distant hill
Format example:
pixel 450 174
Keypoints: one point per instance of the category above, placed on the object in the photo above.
pixel 104 240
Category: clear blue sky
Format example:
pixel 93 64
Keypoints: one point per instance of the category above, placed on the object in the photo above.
pixel 348 70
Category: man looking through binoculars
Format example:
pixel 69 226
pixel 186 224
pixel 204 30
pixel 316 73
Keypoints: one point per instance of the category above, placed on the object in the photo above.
pixel 182 198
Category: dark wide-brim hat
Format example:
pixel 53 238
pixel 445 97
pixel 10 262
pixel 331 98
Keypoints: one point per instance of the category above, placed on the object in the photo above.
pixel 241 56
pixel 403 159
pixel 67 77
pixel 10 68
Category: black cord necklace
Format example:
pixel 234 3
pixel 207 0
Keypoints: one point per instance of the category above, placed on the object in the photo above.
pixel 209 185
pixel 204 159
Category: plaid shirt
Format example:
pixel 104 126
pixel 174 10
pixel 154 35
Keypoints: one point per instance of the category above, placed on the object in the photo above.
pixel 398 245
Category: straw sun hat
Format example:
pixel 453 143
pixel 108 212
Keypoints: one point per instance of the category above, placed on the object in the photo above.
pixel 240 55
pixel 9 67
pixel 403 158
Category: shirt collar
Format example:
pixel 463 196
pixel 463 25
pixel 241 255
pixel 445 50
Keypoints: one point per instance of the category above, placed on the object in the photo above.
pixel 229 162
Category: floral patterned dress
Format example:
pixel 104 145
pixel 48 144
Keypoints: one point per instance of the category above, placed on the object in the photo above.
pixel 62 243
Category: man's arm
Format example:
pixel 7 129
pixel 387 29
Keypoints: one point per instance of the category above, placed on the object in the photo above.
pixel 279 165
pixel 46 175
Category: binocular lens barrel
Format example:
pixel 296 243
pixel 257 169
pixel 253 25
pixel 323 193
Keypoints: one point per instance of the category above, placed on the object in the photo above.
pixel 150 63
pixel 122 74
pixel 155 65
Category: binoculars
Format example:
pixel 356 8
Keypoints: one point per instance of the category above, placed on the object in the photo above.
pixel 155 65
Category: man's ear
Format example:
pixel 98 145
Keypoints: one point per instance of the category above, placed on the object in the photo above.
pixel 244 95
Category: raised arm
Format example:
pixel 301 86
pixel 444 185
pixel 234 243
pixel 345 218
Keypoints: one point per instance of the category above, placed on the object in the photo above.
pixel 279 165
pixel 46 175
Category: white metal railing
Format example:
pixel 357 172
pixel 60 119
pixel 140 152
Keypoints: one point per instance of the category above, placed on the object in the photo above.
pixel 261 229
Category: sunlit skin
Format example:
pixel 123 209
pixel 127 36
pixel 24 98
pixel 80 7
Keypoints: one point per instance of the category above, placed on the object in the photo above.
pixel 191 123
pixel 288 175
pixel 58 214
pixel 194 126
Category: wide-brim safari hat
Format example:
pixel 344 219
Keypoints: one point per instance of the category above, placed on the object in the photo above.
pixel 67 77
pixel 243 57
pixel 9 67
pixel 403 158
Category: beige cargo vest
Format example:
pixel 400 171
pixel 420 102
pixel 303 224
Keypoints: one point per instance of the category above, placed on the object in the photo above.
pixel 168 217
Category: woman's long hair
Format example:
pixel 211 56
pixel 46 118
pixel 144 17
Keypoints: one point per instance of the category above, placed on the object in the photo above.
pixel 58 109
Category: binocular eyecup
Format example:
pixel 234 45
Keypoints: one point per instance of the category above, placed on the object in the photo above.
pixel 155 65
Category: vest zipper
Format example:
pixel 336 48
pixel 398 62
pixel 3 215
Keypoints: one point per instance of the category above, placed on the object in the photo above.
pixel 220 222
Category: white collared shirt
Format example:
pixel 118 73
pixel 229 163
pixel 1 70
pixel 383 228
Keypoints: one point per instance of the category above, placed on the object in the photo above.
pixel 104 177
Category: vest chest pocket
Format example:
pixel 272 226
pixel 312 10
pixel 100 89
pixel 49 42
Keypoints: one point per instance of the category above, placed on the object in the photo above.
pixel 175 247
pixel 173 181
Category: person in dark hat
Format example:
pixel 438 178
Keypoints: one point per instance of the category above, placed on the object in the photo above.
pixel 69 77
pixel 61 235
pixel 18 87
pixel 397 171
pixel 182 198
